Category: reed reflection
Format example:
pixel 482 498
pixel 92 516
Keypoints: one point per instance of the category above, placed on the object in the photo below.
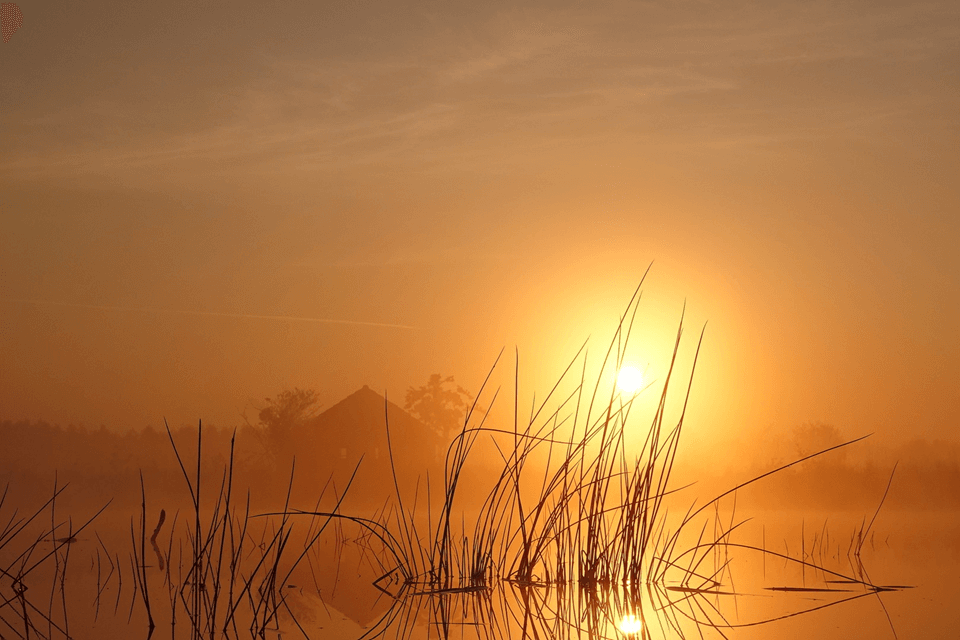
pixel 583 544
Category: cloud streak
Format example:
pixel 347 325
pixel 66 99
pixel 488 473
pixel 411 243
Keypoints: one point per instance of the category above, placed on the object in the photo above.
pixel 458 98
pixel 215 314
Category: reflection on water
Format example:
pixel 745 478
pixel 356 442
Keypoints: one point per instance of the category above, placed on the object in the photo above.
pixel 781 575
pixel 217 570
pixel 220 571
pixel 630 625
pixel 594 543
pixel 762 594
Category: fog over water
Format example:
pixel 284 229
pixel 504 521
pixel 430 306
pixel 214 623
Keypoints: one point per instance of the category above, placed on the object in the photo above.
pixel 485 310
pixel 823 511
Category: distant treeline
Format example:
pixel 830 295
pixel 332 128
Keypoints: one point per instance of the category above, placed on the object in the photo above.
pixel 925 473
pixel 101 464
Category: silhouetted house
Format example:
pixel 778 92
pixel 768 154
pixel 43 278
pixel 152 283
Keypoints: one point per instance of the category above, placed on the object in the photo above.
pixel 357 426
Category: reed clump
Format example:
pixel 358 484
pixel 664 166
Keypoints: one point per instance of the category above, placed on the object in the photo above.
pixel 596 525
pixel 34 555
pixel 573 535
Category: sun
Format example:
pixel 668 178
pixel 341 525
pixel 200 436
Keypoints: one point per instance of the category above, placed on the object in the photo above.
pixel 629 379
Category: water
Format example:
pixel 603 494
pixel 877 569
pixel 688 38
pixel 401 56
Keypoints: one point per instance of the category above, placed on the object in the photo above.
pixel 88 589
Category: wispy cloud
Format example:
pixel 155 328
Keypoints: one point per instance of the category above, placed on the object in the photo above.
pixel 457 99
pixel 214 314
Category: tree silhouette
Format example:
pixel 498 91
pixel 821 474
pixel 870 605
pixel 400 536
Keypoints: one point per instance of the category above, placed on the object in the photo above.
pixel 439 407
pixel 284 416
pixel 811 437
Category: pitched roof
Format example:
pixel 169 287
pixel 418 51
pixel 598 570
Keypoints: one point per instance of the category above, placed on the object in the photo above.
pixel 361 419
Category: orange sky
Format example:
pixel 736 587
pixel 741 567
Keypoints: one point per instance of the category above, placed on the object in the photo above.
pixel 452 178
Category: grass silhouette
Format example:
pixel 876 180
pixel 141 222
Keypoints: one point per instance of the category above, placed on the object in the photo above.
pixel 572 536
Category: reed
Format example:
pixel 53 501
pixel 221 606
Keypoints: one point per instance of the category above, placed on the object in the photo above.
pixel 598 523
pixel 573 536
pixel 24 557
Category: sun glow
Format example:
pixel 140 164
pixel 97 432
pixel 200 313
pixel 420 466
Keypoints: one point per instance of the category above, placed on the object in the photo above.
pixel 629 379
pixel 631 624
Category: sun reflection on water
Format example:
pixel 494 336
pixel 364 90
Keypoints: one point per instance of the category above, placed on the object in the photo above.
pixel 630 624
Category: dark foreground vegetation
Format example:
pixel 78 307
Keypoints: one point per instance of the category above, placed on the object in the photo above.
pixel 571 536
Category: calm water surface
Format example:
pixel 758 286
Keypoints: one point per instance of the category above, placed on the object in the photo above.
pixel 331 594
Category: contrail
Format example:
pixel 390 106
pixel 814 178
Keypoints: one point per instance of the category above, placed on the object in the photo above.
pixel 208 313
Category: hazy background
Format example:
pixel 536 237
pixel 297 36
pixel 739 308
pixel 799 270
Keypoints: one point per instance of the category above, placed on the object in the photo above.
pixel 446 179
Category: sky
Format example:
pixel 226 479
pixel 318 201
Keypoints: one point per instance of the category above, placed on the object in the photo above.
pixel 204 204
